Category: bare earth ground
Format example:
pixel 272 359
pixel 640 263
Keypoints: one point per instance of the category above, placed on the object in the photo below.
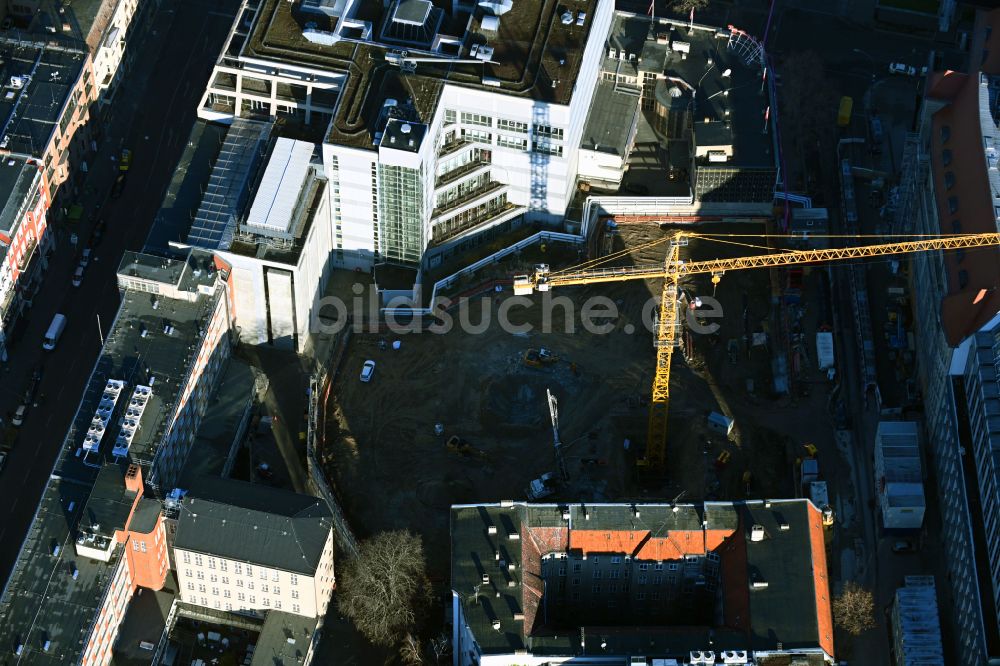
pixel 392 471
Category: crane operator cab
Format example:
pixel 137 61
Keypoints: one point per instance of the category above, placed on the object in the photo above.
pixel 525 284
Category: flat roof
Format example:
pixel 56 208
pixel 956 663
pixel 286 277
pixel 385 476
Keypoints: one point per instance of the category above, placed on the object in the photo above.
pixel 231 399
pixel 684 58
pixel 42 601
pixel 611 117
pixel 17 174
pixel 284 639
pixel 30 109
pixel 535 55
pixel 187 185
pixel 229 185
pixel 253 523
pixel 792 610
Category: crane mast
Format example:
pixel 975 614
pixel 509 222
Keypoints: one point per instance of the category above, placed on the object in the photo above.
pixel 673 269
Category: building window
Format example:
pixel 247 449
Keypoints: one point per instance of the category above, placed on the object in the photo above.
pixel 476 119
pixel 238 568
pixel 946 156
pixel 191 586
pixel 225 580
pixel 512 142
pixel 597 573
pixel 277 590
pixel 187 559
pixel 546 148
pixel 253 599
pixel 295 594
pixel 945 133
pixel 201 575
pixel 250 585
pixel 223 566
pixel 612 603
pixel 450 117
pixel 295 579
pixel 241 597
pixel 549 131
pixel 616 560
pixel 249 570
pixel 672 566
pixel 213 578
pixel 576 567
pixel 596 589
pixel 239 582
pixel 274 576
pixel 643 567
pixel 197 560
pixel 295 608
pixel 201 588
pixel 641 596
pixel 949 179
pixel 226 593
pixel 277 604
pixel 576 581
pixel 211 563
pixel 264 588
pixel 642 579
pixel 215 591
pixel 658 566
pixel 512 126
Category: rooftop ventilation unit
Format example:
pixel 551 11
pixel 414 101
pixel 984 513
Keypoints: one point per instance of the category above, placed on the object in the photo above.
pixel 98 424
pixel 130 422
pixel 702 657
pixel 757 533
pixel 735 657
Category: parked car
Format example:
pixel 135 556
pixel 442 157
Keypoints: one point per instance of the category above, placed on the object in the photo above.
pixel 116 189
pixel 902 546
pixel 902 68
pixel 85 257
pixel 367 371
pixel 22 411
pixel 126 160
pixel 78 275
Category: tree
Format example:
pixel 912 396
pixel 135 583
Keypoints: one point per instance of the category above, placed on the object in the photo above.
pixel 411 652
pixel 384 589
pixel 685 6
pixel 854 609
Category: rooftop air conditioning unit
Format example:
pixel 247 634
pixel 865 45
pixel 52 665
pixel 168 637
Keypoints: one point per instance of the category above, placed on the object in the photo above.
pixel 757 533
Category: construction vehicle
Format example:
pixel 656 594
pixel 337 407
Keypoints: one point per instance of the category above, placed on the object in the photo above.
pixel 673 269
pixel 819 494
pixel 542 487
pixel 537 358
pixel 458 445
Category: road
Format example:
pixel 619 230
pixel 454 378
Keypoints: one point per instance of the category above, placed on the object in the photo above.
pixel 152 115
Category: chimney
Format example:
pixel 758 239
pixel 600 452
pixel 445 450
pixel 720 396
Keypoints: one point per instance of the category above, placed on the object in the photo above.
pixel 133 479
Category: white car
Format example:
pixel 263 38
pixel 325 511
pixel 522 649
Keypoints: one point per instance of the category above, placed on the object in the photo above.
pixel 22 411
pixel 78 275
pixel 367 371
pixel 902 68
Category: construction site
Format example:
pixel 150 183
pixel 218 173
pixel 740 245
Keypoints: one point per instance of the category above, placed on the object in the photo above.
pixel 466 416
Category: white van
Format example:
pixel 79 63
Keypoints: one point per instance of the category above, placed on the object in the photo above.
pixel 55 330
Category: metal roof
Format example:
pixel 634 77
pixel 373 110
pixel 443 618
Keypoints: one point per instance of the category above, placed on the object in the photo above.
pixel 280 189
pixel 228 189
pixel 916 626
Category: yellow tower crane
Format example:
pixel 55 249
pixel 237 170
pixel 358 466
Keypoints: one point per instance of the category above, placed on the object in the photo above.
pixel 673 269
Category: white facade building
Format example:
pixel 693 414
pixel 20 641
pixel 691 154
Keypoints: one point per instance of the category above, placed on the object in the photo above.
pixel 251 549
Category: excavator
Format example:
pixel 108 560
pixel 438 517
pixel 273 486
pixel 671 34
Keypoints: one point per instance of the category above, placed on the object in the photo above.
pixel 674 268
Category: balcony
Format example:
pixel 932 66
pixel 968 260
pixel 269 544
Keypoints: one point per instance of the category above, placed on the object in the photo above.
pixel 446 231
pixel 479 193
pixel 464 170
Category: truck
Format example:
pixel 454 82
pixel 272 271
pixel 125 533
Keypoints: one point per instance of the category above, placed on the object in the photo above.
pixel 820 496
pixel 56 329
pixel 542 487
pixel 844 114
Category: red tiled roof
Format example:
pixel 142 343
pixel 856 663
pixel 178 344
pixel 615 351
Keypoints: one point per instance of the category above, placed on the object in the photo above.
pixel 821 582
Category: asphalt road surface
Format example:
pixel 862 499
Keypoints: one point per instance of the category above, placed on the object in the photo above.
pixel 152 116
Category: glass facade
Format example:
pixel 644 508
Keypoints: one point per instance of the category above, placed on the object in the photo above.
pixel 401 212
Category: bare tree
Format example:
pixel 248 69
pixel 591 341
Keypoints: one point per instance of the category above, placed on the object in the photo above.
pixel 854 609
pixel 807 100
pixel 685 6
pixel 385 587
pixel 410 652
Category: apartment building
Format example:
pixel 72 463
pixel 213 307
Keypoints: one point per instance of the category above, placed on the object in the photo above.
pixel 45 108
pixel 95 537
pixel 24 241
pixel 92 545
pixel 103 28
pixel 252 549
pixel 958 191
pixel 447 124
pixel 634 584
